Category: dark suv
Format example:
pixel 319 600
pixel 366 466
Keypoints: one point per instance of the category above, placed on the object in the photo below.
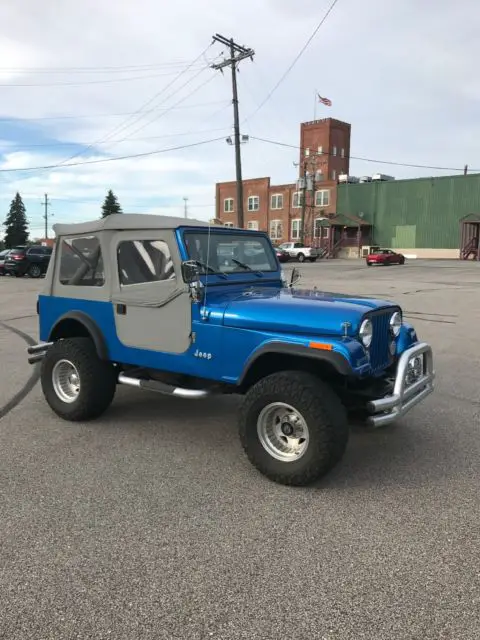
pixel 28 260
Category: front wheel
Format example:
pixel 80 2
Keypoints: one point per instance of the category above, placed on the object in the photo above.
pixel 77 385
pixel 293 427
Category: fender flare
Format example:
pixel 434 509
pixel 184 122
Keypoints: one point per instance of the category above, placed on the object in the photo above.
pixel 92 328
pixel 339 362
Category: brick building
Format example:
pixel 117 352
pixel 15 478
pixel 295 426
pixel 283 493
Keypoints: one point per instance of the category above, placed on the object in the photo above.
pixel 324 155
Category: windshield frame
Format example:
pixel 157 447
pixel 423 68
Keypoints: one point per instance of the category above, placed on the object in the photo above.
pixel 227 277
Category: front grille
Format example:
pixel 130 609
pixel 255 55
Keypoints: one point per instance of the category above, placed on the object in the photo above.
pixel 380 357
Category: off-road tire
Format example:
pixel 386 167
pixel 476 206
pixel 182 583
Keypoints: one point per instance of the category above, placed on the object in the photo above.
pixel 34 271
pixel 98 380
pixel 301 257
pixel 323 412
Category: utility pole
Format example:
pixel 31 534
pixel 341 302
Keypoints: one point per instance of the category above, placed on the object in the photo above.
pixel 46 204
pixel 185 209
pixel 237 54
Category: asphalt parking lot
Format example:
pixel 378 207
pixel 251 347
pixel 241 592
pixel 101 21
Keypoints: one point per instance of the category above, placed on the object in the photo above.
pixel 151 523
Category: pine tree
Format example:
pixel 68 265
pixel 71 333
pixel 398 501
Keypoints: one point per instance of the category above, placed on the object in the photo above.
pixel 16 224
pixel 110 205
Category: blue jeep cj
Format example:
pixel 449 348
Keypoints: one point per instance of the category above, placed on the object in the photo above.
pixel 188 309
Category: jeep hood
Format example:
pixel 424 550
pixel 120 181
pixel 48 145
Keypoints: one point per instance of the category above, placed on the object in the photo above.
pixel 298 311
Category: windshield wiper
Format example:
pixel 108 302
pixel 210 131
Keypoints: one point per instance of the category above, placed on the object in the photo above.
pixel 248 267
pixel 210 269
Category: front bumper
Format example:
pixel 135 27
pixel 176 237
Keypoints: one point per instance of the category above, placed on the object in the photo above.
pixel 410 386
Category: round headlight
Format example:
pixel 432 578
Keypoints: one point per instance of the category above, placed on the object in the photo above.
pixel 396 323
pixel 366 332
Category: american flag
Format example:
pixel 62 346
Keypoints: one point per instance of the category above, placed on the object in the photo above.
pixel 324 101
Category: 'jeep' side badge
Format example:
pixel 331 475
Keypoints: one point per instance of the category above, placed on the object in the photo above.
pixel 202 354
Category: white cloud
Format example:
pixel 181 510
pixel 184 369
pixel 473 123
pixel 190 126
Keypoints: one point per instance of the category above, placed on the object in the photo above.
pixel 401 73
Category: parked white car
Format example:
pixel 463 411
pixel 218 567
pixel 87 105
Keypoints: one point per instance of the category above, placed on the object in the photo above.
pixel 298 251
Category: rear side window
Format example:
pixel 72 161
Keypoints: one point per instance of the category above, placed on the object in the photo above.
pixel 141 261
pixel 81 262
pixel 17 252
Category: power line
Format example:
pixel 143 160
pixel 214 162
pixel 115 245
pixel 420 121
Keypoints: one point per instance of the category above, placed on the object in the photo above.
pixel 46 145
pixel 103 115
pixel 389 162
pixel 295 60
pixel 102 160
pixel 77 84
pixel 149 122
pixel 141 109
pixel 95 69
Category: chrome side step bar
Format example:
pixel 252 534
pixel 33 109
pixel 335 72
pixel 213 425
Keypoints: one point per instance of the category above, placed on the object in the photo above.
pixel 161 387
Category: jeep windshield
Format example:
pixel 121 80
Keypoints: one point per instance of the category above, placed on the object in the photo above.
pixel 224 253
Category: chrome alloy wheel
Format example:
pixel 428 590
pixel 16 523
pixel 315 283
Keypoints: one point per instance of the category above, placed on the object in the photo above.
pixel 66 381
pixel 283 432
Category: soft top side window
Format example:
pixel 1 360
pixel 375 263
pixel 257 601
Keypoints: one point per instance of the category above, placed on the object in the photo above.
pixel 81 262
pixel 142 261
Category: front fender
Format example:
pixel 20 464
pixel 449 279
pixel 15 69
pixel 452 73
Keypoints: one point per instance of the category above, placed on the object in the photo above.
pixel 339 355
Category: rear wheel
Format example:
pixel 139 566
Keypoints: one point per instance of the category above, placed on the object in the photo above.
pixel 77 385
pixel 34 271
pixel 293 427
pixel 301 257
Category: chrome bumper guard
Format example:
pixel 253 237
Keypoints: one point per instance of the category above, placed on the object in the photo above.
pixel 413 383
pixel 37 352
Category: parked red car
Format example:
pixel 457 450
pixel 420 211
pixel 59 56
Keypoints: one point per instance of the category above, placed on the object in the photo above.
pixel 384 256
pixel 282 255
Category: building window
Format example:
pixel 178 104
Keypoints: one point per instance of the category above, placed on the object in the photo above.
pixel 228 224
pixel 297 199
pixel 342 153
pixel 320 150
pixel 276 229
pixel 334 151
pixel 276 201
pixel 334 174
pixel 252 225
pixel 322 198
pixel 253 203
pixel 307 151
pixel 296 228
pixel 320 230
pixel 228 205
pixel 81 262
pixel 142 261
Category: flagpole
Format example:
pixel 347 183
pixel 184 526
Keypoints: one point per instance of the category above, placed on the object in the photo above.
pixel 315 106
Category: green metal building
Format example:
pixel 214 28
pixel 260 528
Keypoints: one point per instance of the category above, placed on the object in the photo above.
pixel 423 214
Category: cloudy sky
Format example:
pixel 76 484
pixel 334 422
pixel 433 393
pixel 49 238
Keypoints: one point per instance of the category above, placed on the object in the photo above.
pixel 93 81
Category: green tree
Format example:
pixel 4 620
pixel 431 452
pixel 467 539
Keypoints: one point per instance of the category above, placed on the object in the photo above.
pixel 16 224
pixel 110 205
